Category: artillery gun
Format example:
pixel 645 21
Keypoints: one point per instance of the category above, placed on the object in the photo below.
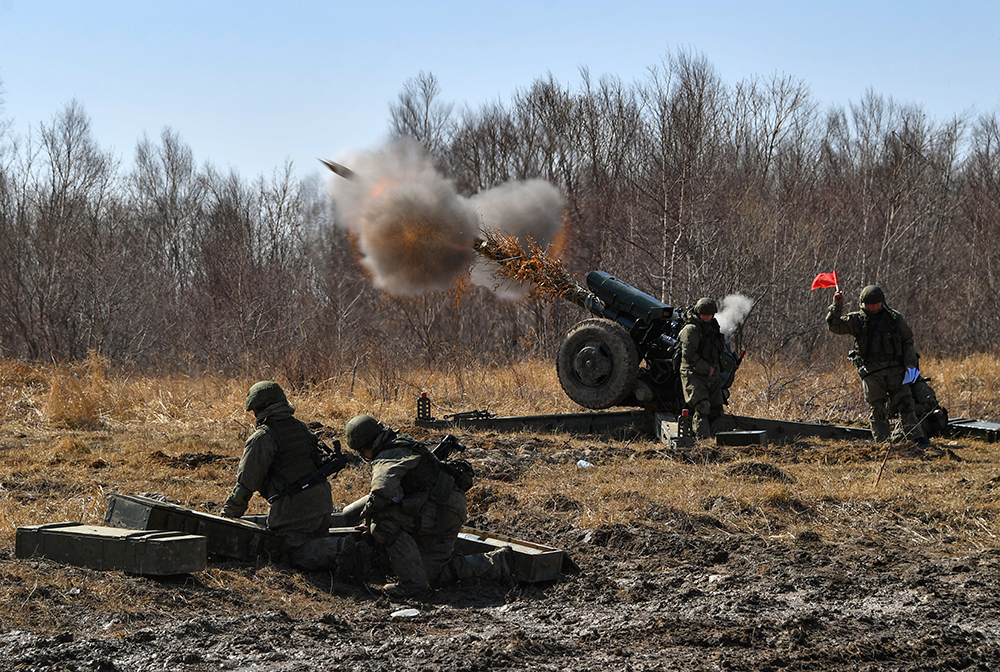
pixel 628 354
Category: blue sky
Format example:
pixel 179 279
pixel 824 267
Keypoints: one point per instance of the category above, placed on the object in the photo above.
pixel 250 84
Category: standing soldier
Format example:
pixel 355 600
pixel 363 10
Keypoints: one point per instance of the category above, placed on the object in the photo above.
pixel 415 510
pixel 283 451
pixel 883 354
pixel 703 348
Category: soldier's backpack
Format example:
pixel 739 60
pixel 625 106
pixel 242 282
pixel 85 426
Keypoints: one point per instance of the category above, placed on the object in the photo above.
pixel 461 471
pixel 455 472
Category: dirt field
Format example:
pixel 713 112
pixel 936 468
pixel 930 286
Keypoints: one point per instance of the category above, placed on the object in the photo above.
pixel 774 558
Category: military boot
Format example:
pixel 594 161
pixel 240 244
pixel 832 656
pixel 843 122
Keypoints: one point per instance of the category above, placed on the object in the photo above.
pixel 401 590
pixel 930 451
pixel 500 570
pixel 702 426
pixel 881 430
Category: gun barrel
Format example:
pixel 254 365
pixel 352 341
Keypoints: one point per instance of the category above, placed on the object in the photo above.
pixel 625 298
pixel 585 299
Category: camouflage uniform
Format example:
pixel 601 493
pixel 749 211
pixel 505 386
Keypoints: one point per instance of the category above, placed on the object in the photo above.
pixel 281 451
pixel 933 418
pixel 702 360
pixel 416 513
pixel 883 350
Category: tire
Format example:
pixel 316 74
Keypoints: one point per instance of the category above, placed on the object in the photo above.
pixel 597 363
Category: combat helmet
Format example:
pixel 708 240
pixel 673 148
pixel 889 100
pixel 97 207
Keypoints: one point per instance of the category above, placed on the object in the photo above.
pixel 872 294
pixel 263 394
pixel 361 432
pixel 705 306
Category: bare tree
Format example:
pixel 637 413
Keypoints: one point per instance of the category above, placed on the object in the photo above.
pixel 419 114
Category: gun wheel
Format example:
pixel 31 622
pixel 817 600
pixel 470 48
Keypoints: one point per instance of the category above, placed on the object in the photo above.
pixel 597 363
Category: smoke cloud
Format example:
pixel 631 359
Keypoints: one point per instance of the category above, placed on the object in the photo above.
pixel 521 209
pixel 413 229
pixel 415 232
pixel 735 308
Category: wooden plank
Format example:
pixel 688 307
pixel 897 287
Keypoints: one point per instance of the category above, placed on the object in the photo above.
pixel 787 431
pixel 148 553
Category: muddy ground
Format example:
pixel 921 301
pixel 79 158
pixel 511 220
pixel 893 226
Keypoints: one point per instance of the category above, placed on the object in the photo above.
pixel 669 591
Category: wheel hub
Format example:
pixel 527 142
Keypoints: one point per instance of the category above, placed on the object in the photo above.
pixel 592 364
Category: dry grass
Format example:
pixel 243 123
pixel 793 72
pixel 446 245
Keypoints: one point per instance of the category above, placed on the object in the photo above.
pixel 71 435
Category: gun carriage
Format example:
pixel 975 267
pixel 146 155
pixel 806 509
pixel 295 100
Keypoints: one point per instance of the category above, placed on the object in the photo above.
pixel 628 354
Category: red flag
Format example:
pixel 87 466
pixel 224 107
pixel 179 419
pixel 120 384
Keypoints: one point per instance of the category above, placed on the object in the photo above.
pixel 825 280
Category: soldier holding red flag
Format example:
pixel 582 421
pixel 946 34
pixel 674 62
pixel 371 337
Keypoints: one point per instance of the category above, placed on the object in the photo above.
pixel 885 358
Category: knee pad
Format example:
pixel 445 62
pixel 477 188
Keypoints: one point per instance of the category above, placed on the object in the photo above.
pixel 703 407
pixel 878 409
pixel 907 405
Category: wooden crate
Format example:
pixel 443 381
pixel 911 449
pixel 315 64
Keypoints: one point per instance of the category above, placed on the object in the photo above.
pixel 149 553
pixel 231 538
pixel 532 562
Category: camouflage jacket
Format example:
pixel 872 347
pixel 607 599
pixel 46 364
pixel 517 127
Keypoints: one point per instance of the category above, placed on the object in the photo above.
pixel 881 340
pixel 702 346
pixel 401 475
pixel 280 451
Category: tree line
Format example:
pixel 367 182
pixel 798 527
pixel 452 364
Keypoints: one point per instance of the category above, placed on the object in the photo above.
pixel 679 184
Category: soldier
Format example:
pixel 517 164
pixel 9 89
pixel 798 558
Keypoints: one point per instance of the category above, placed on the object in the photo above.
pixel 281 451
pixel 415 510
pixel 703 349
pixel 883 353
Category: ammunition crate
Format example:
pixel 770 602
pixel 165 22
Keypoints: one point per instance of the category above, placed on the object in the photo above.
pixel 136 552
pixel 227 537
pixel 531 563
pixel 742 438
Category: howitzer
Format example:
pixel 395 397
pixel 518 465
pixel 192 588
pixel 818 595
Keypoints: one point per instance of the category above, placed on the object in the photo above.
pixel 626 356
pixel 333 461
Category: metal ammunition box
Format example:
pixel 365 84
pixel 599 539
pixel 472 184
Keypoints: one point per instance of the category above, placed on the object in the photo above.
pixel 987 431
pixel 532 562
pixel 136 552
pixel 742 438
pixel 230 538
pixel 674 431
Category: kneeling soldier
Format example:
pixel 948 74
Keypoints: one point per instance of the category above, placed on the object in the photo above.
pixel 282 451
pixel 415 510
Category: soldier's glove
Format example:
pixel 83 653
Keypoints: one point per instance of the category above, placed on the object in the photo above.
pixel 231 510
pixel 237 502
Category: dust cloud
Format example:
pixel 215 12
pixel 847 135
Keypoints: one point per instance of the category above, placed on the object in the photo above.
pixel 415 231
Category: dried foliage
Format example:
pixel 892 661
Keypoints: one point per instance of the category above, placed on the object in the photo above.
pixel 181 438
pixel 530 267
